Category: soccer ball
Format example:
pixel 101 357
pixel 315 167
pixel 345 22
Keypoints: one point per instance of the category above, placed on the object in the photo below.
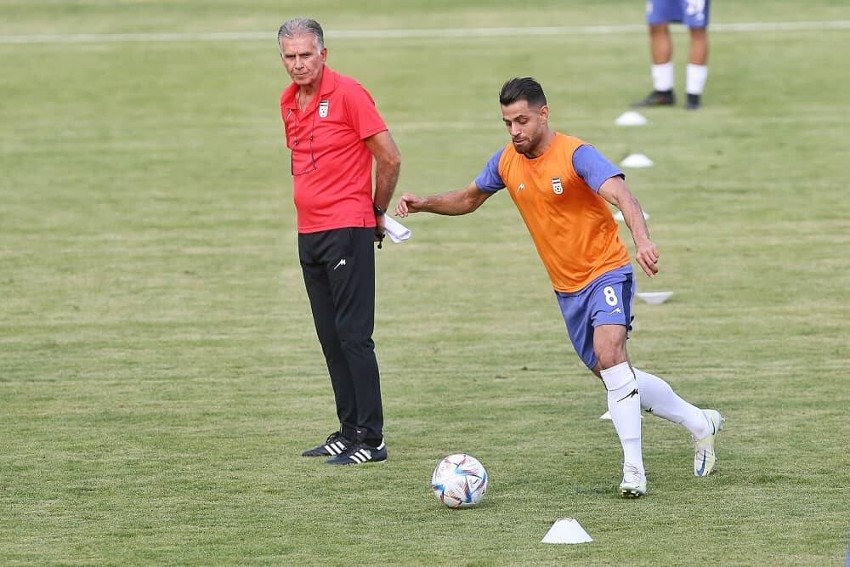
pixel 459 481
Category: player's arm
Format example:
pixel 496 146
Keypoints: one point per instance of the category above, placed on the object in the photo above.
pixel 458 202
pixel 615 191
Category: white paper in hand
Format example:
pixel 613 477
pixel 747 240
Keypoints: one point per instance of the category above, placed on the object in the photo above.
pixel 395 230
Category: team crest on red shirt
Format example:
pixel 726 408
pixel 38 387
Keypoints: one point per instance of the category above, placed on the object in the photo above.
pixel 323 109
pixel 556 185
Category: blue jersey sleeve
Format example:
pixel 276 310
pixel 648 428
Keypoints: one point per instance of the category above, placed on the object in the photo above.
pixel 489 180
pixel 593 167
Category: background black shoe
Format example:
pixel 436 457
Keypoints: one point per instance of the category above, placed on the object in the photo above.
pixel 657 98
pixel 693 102
pixel 334 445
pixel 361 453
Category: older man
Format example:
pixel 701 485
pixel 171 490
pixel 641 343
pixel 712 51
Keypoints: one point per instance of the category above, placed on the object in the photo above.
pixel 335 135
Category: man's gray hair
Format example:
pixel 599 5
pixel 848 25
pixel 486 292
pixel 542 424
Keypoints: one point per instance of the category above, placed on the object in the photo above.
pixel 302 26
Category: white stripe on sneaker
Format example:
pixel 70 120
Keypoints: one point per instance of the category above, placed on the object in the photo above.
pixel 361 456
pixel 335 448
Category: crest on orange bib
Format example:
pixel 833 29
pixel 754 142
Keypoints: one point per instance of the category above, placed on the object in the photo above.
pixel 323 109
pixel 556 185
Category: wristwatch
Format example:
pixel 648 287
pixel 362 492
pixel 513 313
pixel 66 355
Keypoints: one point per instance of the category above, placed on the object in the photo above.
pixel 379 212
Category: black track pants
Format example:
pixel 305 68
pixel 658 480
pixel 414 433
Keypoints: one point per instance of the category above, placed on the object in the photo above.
pixel 339 274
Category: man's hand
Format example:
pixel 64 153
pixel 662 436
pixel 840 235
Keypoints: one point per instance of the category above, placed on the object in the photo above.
pixel 409 203
pixel 646 255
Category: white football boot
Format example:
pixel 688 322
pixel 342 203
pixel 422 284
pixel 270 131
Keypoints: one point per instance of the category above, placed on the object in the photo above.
pixel 634 482
pixel 705 458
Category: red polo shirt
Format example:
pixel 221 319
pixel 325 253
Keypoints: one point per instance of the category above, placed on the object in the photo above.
pixel 331 165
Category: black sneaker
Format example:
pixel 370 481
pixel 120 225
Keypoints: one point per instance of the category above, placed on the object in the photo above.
pixel 693 102
pixel 657 98
pixel 360 453
pixel 334 445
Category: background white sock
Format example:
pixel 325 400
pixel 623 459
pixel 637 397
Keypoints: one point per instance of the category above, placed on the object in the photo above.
pixel 658 397
pixel 662 76
pixel 624 407
pixel 695 78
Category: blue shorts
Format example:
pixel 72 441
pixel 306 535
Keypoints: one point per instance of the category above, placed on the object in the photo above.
pixel 693 13
pixel 606 301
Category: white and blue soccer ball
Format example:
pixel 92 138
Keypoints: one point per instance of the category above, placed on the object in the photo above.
pixel 459 481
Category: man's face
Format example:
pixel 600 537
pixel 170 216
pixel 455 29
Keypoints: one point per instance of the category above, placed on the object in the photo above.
pixel 526 125
pixel 303 60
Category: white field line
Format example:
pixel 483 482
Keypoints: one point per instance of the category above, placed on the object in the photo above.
pixel 435 33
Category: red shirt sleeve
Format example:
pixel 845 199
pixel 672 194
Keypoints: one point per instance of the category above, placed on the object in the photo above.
pixel 362 113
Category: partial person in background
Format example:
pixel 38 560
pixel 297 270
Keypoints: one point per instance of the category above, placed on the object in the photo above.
pixel 334 134
pixel 562 187
pixel 659 15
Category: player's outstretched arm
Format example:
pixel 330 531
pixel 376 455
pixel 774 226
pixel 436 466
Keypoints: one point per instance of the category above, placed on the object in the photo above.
pixel 458 202
pixel 616 192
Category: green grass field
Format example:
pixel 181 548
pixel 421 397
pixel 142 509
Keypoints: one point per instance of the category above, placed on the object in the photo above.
pixel 159 372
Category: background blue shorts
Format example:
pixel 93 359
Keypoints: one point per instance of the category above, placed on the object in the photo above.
pixel 693 13
pixel 606 301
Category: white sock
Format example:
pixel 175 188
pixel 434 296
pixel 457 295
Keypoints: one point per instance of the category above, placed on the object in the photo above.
pixel 695 79
pixel 657 397
pixel 624 407
pixel 662 76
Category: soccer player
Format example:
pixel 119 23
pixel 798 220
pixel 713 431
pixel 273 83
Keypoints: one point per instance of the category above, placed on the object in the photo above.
pixel 659 15
pixel 562 187
pixel 335 135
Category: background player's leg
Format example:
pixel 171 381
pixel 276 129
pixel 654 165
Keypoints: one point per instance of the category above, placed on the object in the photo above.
pixel 697 70
pixel 661 53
